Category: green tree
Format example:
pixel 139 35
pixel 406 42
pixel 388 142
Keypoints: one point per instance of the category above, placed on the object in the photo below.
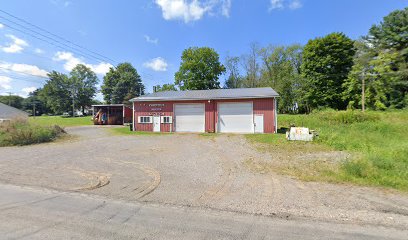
pixel 281 70
pixel 62 92
pixel 121 84
pixel 34 101
pixel 56 93
pixel 326 64
pixel 85 80
pixel 251 64
pixel 200 69
pixel 234 80
pixel 12 100
pixel 392 32
pixel 165 87
pixel 381 61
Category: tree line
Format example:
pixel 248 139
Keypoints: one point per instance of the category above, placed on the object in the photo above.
pixel 333 71
pixel 76 91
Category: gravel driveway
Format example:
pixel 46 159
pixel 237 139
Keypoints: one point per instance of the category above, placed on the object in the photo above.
pixel 191 170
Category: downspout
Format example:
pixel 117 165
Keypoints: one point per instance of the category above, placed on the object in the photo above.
pixel 133 116
pixel 215 116
pixel 276 115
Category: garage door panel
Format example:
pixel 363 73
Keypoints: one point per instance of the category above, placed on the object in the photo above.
pixel 190 117
pixel 235 117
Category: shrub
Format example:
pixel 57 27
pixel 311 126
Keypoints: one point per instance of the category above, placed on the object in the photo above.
pixel 20 132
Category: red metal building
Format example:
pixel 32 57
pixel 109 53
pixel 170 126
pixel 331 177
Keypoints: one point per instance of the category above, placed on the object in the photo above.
pixel 243 110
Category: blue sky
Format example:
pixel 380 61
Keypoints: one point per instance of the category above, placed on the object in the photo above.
pixel 151 34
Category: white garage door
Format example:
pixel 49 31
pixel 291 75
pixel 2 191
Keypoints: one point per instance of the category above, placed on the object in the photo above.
pixel 189 117
pixel 235 118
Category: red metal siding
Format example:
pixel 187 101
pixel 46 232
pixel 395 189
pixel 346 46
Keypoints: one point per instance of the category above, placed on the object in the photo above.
pixel 266 107
pixel 263 106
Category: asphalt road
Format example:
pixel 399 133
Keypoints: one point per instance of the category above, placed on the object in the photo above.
pixel 38 213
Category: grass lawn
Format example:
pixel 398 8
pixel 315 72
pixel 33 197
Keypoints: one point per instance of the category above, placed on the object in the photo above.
pixel 378 142
pixel 61 121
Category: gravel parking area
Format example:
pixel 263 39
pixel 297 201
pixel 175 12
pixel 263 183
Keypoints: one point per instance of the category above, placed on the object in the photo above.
pixel 191 170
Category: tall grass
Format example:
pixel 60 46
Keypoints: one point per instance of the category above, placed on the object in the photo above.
pixel 20 132
pixel 379 141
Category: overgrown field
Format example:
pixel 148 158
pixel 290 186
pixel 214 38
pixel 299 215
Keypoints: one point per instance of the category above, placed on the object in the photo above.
pixel 61 121
pixel 21 132
pixel 377 141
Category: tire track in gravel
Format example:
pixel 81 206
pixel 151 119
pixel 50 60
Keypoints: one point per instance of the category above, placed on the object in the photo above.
pixel 384 205
pixel 148 187
pixel 96 179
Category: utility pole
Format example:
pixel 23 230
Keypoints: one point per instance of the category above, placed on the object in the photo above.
pixel 73 100
pixel 9 101
pixel 73 104
pixel 363 91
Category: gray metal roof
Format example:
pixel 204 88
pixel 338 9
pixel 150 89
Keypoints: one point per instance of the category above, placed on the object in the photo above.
pixel 233 93
pixel 108 105
pixel 8 112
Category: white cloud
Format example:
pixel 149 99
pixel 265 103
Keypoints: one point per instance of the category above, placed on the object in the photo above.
pixel 226 7
pixel 5 82
pixel 28 90
pixel 156 64
pixel 71 61
pixel 191 10
pixel 23 69
pixel 276 4
pixel 61 2
pixel 17 45
pixel 295 4
pixel 282 4
pixel 38 51
pixel 151 40
pixel 1 26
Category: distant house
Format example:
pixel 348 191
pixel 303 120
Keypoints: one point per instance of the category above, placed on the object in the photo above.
pixel 8 113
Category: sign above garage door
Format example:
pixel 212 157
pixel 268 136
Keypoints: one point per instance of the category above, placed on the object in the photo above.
pixel 235 117
pixel 189 117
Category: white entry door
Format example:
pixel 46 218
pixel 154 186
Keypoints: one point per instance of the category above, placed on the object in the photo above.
pixel 259 123
pixel 156 123
pixel 189 117
pixel 235 117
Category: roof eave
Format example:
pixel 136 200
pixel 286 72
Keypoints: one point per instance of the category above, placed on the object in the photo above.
pixel 192 99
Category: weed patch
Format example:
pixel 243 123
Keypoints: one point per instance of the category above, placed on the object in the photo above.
pixel 20 132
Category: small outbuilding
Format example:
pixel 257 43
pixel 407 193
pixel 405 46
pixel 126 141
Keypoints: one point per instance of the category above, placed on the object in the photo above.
pixel 241 110
pixel 7 113
pixel 111 114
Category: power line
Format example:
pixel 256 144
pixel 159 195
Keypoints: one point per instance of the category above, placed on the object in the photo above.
pixel 57 36
pixel 24 73
pixel 26 79
pixel 57 44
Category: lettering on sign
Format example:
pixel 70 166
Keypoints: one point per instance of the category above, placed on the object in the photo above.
pixel 156 109
pixel 156 114
pixel 156 105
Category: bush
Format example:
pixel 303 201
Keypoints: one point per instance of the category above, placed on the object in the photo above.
pixel 20 132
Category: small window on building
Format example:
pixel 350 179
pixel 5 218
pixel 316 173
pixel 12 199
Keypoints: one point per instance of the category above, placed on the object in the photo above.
pixel 166 119
pixel 145 119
